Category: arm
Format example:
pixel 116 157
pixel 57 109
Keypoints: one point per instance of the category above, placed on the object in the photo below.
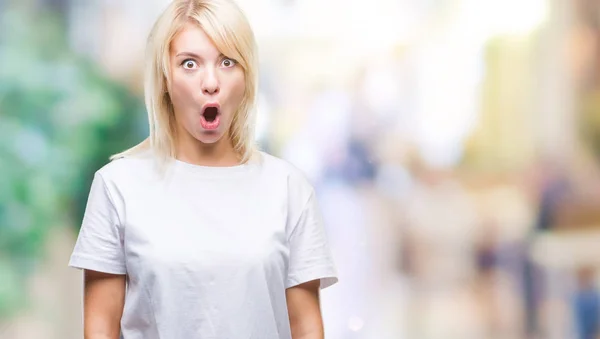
pixel 104 298
pixel 304 311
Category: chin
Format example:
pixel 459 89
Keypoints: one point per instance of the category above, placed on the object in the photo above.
pixel 209 137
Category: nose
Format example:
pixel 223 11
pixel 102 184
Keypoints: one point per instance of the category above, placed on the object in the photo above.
pixel 210 82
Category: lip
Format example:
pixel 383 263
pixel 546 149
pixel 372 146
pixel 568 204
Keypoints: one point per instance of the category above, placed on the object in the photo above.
pixel 211 104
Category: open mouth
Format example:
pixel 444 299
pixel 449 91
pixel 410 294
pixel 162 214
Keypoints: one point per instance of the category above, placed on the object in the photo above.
pixel 210 113
pixel 210 118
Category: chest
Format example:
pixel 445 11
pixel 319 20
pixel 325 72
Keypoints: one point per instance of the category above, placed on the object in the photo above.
pixel 207 227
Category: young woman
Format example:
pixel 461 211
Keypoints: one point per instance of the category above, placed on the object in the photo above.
pixel 194 233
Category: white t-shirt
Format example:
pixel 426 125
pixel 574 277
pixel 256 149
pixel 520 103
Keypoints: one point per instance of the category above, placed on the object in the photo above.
pixel 208 251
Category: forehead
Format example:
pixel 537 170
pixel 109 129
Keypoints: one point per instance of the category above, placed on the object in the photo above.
pixel 192 39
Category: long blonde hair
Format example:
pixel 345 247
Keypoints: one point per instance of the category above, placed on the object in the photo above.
pixel 228 28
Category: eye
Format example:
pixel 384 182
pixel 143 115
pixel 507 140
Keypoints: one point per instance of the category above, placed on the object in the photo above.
pixel 189 64
pixel 227 63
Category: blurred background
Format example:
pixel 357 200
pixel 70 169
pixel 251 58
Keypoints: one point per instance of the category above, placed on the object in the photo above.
pixel 454 146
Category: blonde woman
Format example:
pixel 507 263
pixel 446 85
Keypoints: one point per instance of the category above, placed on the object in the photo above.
pixel 194 233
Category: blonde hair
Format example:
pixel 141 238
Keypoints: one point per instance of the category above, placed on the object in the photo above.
pixel 228 28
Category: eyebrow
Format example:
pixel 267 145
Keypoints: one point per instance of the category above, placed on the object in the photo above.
pixel 194 55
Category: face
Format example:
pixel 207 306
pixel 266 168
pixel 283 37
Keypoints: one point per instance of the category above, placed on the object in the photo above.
pixel 207 87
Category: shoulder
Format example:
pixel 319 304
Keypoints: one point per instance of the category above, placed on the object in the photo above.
pixel 279 165
pixel 129 169
pixel 296 180
pixel 127 178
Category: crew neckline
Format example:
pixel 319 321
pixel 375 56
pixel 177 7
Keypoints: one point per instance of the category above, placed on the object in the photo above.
pixel 214 171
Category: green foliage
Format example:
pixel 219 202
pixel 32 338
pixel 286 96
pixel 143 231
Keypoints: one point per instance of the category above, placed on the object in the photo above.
pixel 60 119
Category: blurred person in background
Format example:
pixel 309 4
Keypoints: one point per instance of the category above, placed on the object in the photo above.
pixel 195 233
pixel 586 304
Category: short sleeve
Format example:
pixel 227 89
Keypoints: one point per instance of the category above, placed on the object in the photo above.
pixel 99 245
pixel 310 255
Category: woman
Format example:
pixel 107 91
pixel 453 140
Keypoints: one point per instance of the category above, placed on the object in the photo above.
pixel 194 233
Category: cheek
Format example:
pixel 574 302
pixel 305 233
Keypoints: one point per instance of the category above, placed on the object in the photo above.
pixel 181 92
pixel 237 85
pixel 238 88
pixel 241 89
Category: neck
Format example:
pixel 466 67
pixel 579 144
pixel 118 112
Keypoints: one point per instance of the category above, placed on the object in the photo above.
pixel 219 154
